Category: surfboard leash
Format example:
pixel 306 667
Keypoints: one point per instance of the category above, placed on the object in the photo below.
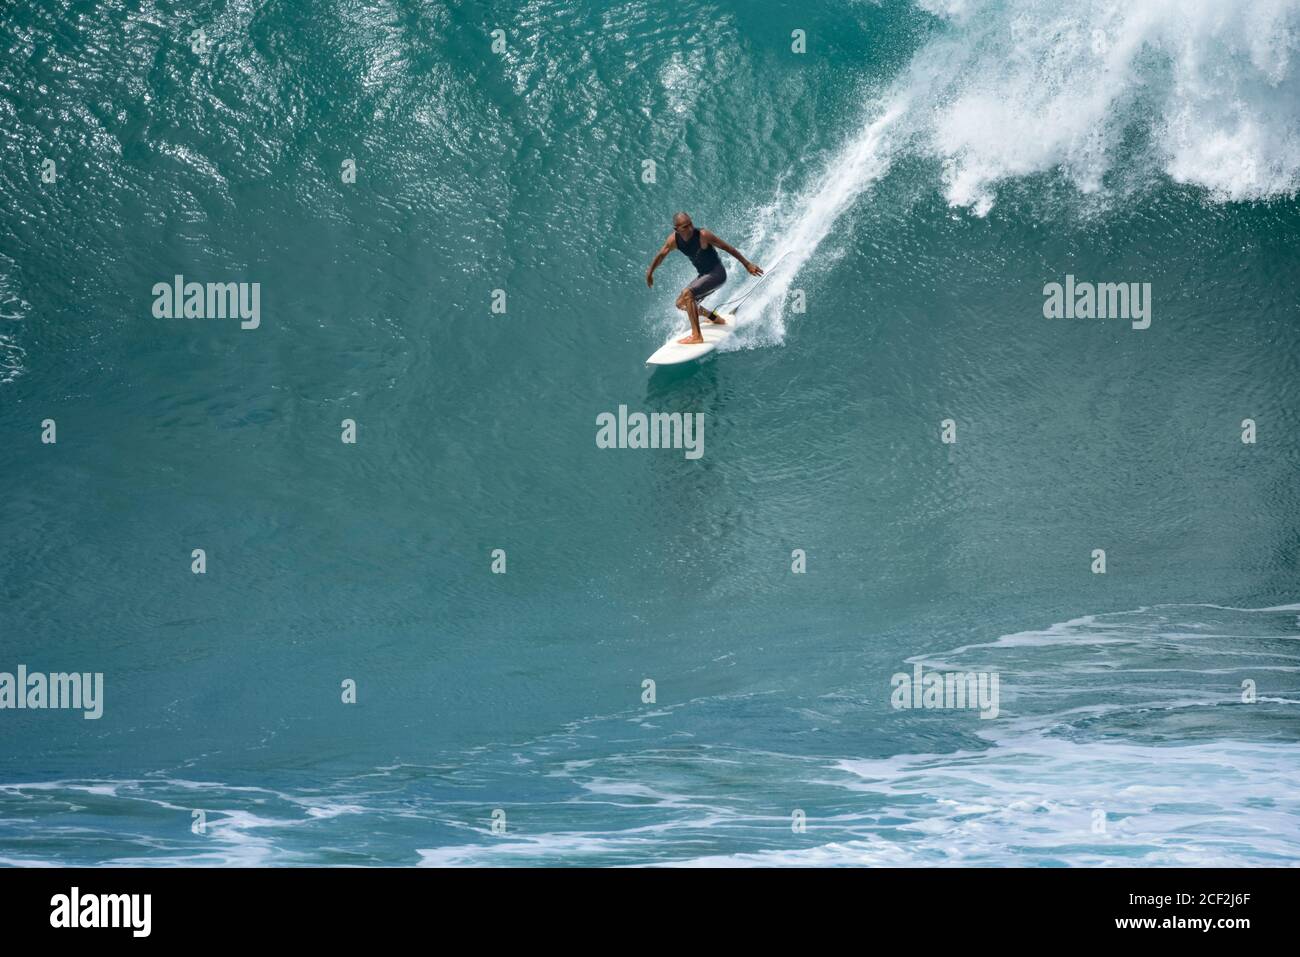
pixel 750 291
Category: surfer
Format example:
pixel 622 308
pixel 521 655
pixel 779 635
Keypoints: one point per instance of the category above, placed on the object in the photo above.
pixel 701 247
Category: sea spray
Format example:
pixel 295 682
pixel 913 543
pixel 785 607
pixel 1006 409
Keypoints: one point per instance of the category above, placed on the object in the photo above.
pixel 1007 90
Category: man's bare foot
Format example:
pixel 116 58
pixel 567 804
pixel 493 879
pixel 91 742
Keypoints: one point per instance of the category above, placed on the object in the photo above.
pixel 691 341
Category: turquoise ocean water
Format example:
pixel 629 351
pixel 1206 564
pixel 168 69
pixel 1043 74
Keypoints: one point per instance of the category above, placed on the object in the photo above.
pixel 926 168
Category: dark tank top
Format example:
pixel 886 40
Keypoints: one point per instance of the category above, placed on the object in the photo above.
pixel 704 260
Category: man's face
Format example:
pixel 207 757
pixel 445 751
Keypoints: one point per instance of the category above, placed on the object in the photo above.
pixel 684 229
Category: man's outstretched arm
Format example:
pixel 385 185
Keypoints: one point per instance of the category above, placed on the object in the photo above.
pixel 713 239
pixel 668 247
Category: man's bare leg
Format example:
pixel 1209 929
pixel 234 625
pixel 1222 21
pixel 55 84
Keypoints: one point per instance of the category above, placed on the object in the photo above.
pixel 686 301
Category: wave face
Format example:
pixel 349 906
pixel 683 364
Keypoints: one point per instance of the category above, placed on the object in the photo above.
pixel 925 169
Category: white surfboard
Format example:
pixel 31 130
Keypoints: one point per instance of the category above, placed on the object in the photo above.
pixel 673 353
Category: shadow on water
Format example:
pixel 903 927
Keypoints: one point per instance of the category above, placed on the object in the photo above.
pixel 696 387
pixel 690 386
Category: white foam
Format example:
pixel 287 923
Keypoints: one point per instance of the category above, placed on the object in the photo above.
pixel 1032 86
